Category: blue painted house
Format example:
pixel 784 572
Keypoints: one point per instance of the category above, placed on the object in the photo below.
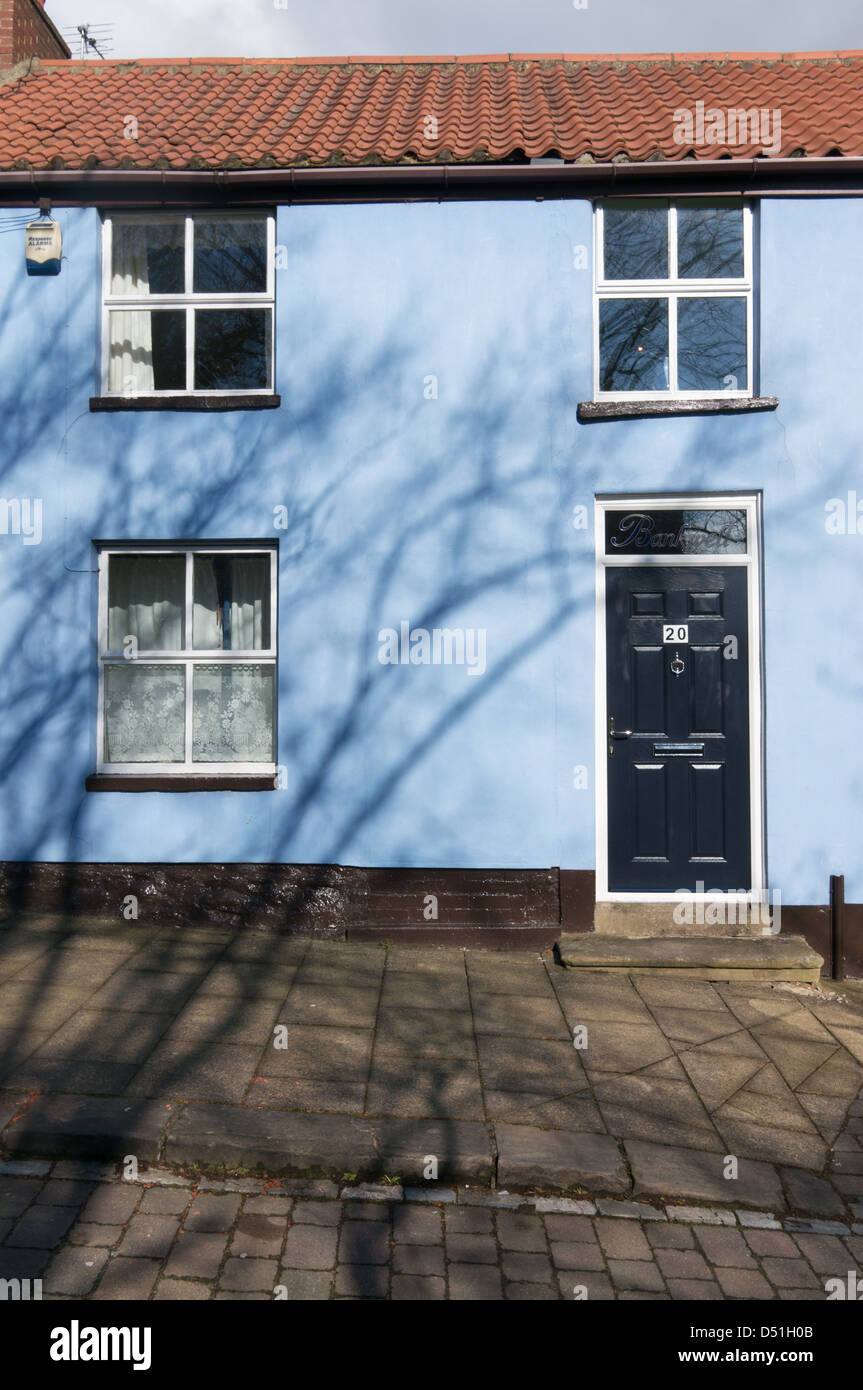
pixel 431 492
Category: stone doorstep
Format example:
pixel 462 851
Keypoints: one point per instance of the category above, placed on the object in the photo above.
pixel 770 958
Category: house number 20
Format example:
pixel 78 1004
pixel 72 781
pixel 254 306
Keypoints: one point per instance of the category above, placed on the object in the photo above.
pixel 675 632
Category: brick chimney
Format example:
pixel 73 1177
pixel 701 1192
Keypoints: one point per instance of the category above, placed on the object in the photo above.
pixel 25 30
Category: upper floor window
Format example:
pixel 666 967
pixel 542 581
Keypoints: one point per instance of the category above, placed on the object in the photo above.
pixel 187 303
pixel 674 299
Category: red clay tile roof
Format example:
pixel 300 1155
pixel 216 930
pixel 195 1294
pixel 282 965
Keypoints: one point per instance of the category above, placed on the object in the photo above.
pixel 277 113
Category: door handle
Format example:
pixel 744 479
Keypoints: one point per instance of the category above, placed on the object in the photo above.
pixel 615 734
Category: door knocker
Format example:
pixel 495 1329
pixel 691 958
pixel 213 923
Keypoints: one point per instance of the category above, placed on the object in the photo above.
pixel 677 665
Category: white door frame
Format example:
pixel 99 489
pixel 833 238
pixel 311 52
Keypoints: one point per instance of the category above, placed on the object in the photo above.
pixel 752 562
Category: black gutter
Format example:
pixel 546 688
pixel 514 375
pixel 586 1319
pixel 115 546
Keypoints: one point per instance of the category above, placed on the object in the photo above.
pixel 841 175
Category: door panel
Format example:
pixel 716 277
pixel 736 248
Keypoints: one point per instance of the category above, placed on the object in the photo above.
pixel 707 799
pixel 707 713
pixel 678 764
pixel 651 812
pixel 649 697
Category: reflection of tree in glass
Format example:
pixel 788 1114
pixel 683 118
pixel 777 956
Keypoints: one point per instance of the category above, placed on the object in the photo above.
pixel 709 243
pixel 168 338
pixel 633 345
pixel 230 256
pixel 232 349
pixel 636 243
pixel 713 532
pixel 711 343
pixel 166 269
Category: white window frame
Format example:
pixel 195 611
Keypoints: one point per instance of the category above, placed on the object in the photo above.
pixel 187 657
pixel 187 300
pixel 674 289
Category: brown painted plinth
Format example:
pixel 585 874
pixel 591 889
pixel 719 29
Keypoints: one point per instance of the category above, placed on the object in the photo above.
pixel 510 908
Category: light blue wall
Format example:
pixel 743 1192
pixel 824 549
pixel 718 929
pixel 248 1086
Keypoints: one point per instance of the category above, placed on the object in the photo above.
pixel 453 512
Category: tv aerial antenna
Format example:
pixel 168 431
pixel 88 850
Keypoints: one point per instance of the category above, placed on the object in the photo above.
pixel 91 40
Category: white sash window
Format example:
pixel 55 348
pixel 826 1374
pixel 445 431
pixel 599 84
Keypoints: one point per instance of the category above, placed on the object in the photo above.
pixel 187 659
pixel 673 303
pixel 188 304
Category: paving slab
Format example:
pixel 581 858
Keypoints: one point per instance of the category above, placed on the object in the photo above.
pixel 261 981
pixel 344 1005
pixel 695 1025
pixel 87 1127
pixel 428 990
pixel 426 1033
pixel 578 1112
pixel 668 1112
pixel 431 1086
pixel 519 1016
pixel 291 1093
pixel 716 1077
pixel 772 1144
pixel 279 1142
pixel 611 998
pixel 489 974
pixel 218 1018
pixel 315 1052
pixel 105 1035
pixel 549 1158
pixel 208 1071
pixel 661 1171
pixel 85 1077
pixel 623 1047
pixel 665 991
pixel 462 1149
pixel 539 1065
pixel 809 1193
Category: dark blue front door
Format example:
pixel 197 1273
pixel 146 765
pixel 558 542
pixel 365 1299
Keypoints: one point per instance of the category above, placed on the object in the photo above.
pixel 678 728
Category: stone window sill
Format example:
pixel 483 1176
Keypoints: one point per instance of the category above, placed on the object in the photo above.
pixel 643 410
pixel 217 782
pixel 213 402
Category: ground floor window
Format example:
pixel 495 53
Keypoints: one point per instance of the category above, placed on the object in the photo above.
pixel 187 658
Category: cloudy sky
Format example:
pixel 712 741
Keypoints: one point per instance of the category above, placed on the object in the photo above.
pixel 304 28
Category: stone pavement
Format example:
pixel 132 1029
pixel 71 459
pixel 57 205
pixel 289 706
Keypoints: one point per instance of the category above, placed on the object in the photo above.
pixel 87 1234
pixel 207 1050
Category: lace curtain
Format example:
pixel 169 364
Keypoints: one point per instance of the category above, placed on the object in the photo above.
pixel 145 713
pixel 232 714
